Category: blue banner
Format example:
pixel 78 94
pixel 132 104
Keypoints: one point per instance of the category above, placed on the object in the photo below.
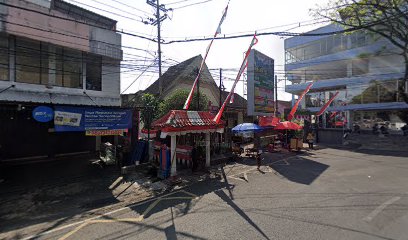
pixel 68 119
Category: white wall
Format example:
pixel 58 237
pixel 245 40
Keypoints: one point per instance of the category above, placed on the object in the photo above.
pixel 106 43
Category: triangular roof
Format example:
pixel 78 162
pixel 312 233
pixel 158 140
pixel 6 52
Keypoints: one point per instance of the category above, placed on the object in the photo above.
pixel 239 102
pixel 184 72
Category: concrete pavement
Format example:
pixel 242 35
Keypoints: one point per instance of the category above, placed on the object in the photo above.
pixel 324 194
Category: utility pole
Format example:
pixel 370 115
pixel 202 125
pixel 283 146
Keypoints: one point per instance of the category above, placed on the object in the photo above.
pixel 220 87
pixel 158 43
pixel 154 22
pixel 276 95
pixel 198 94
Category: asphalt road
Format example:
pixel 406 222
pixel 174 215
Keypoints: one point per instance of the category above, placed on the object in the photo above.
pixel 325 194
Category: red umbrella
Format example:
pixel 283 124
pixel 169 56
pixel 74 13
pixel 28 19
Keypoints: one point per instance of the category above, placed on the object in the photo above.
pixel 288 126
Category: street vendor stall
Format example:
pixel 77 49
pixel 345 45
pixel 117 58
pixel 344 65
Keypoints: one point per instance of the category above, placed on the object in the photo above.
pixel 292 143
pixel 181 122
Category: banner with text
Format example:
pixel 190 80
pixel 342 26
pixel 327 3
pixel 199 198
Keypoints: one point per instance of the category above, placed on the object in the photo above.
pixel 260 84
pixel 69 119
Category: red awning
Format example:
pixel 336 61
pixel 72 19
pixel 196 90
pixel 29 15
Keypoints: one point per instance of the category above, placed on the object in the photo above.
pixel 268 121
pixel 180 122
pixel 288 126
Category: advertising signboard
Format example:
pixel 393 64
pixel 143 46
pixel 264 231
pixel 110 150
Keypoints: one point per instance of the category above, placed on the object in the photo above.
pixel 68 119
pixel 260 74
pixel 43 114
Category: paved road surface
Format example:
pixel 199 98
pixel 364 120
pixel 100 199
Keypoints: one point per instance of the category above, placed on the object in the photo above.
pixel 326 194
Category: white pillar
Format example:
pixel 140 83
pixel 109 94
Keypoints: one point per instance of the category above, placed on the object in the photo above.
pixel 173 156
pixel 207 150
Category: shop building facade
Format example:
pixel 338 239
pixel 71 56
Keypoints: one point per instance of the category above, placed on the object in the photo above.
pixel 52 54
pixel 366 72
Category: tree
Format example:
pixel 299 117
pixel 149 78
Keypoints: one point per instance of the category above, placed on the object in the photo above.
pixel 149 112
pixel 177 99
pixel 382 18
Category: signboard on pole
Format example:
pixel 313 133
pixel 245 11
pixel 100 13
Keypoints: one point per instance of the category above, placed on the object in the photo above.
pixel 261 85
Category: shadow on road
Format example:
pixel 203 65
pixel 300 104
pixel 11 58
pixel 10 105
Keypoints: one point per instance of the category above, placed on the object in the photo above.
pixel 300 170
pixel 237 209
pixel 181 201
pixel 54 192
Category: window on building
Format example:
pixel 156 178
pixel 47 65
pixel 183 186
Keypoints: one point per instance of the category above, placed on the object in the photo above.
pixel 28 66
pixel 312 50
pixel 94 73
pixel 367 119
pixel 72 73
pixel 315 99
pixel 44 62
pixel 359 66
pixel 400 84
pixel 341 99
pixel 358 39
pixel 370 93
pixel 354 94
pixel 4 58
pixel 68 68
pixel 387 91
pixel 59 66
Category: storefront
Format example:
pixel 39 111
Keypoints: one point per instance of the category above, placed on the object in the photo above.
pixel 40 131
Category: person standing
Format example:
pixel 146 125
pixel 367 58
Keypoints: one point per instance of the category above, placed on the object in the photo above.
pixel 310 139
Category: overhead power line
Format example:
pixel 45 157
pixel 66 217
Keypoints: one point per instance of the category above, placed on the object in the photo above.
pixel 76 21
pixel 189 5
pixel 129 6
pixel 110 12
pixel 113 7
pixel 171 3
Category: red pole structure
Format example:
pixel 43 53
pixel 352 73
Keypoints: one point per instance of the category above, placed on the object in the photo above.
pixel 294 109
pixel 325 106
pixel 190 95
pixel 241 70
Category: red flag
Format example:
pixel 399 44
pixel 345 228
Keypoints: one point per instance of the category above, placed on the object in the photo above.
pixel 327 104
pixel 294 109
pixel 190 95
pixel 241 70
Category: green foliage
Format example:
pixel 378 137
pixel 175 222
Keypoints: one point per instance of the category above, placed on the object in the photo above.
pixel 150 108
pixel 178 98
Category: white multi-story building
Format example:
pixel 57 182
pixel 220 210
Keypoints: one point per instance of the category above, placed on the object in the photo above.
pixel 366 71
pixel 53 53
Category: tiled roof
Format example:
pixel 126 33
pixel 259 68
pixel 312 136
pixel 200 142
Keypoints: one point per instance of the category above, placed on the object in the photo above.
pixel 185 119
pixel 183 72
